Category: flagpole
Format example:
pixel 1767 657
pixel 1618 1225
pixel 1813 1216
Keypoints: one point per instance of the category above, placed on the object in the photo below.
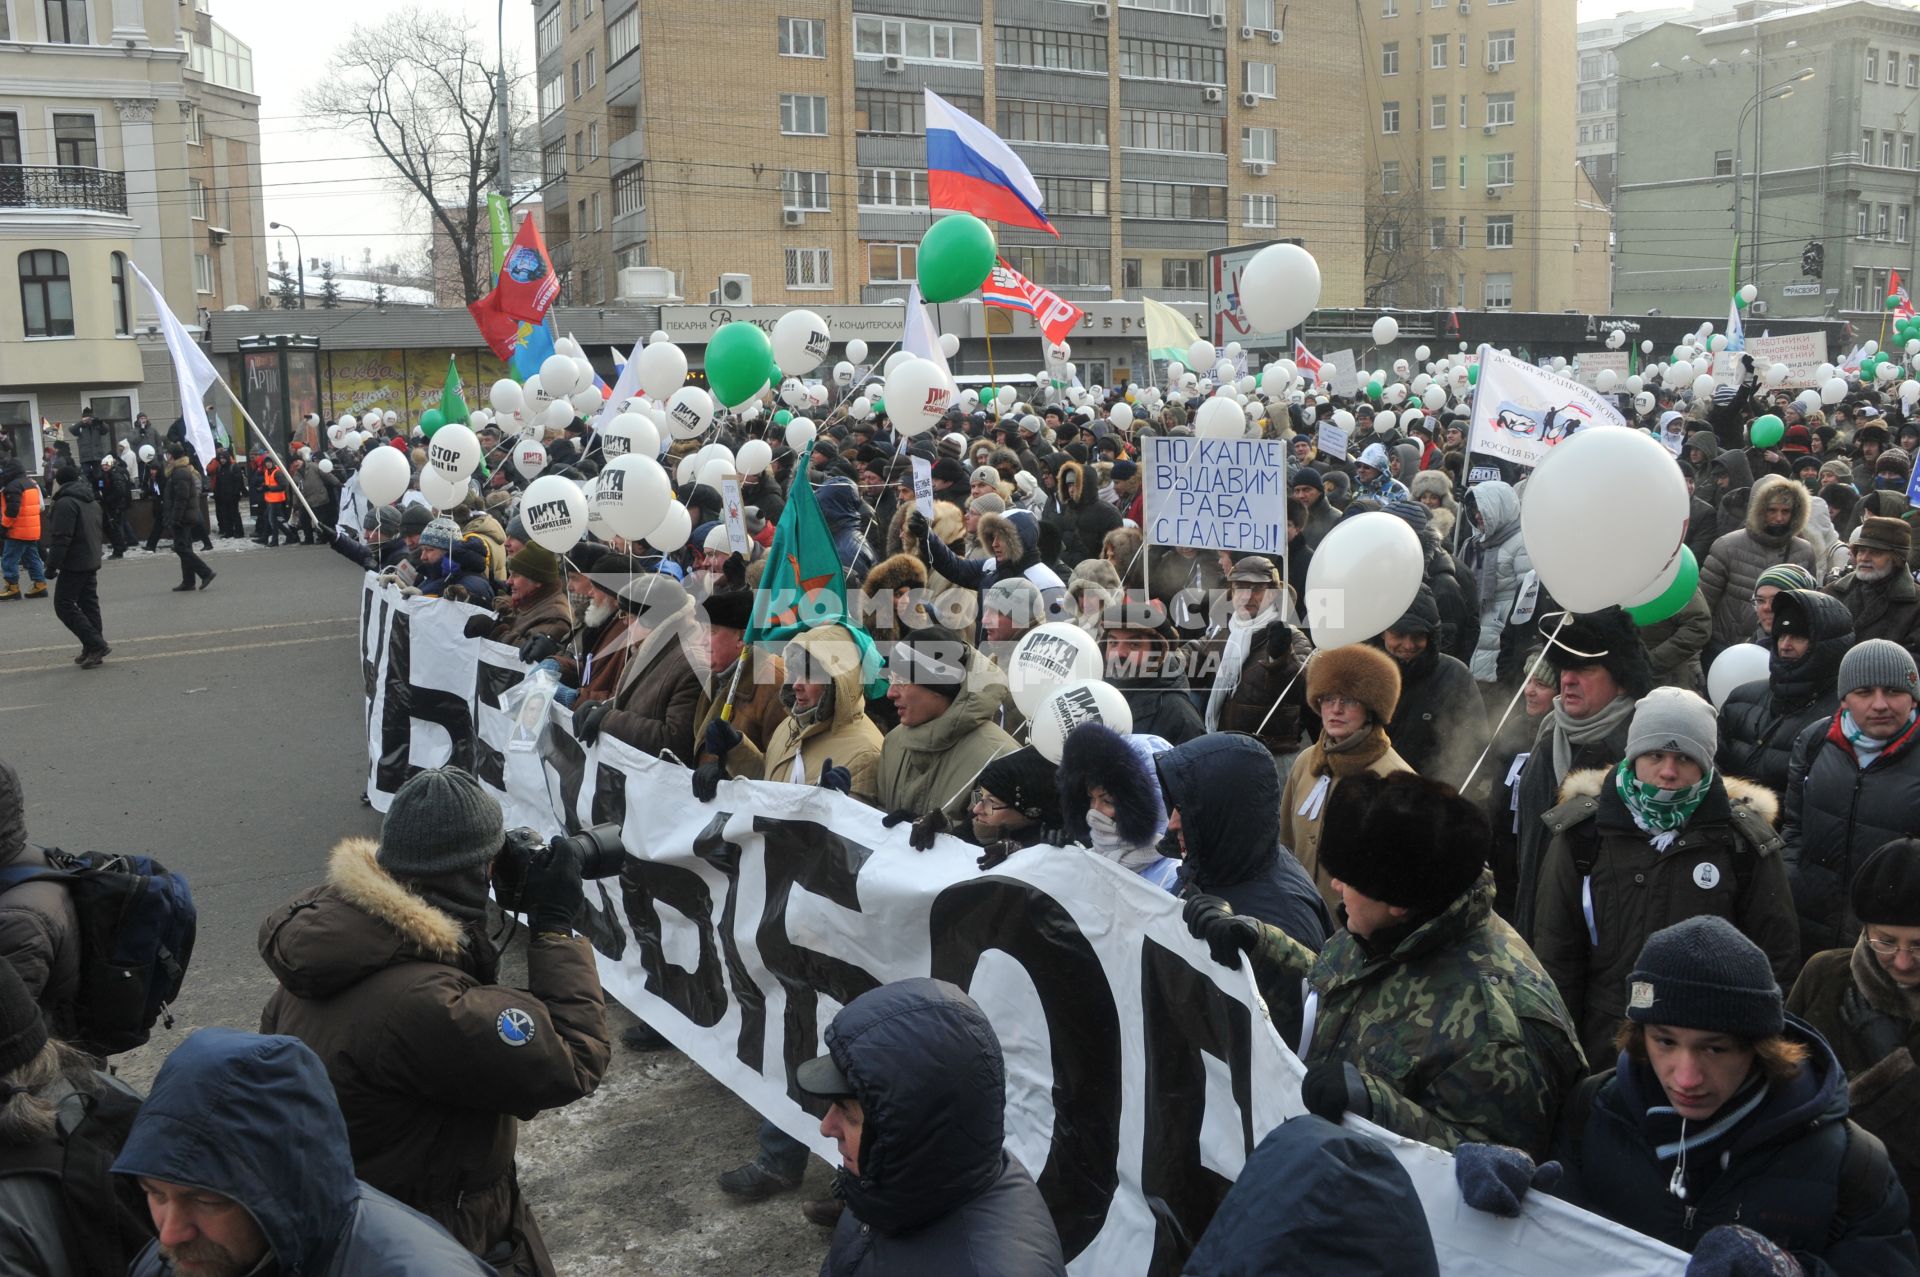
pixel 266 443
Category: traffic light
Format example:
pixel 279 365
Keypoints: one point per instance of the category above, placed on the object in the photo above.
pixel 1813 259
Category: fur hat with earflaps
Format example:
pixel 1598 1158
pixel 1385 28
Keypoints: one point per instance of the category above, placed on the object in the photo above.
pixel 1359 673
pixel 1403 840
pixel 1607 638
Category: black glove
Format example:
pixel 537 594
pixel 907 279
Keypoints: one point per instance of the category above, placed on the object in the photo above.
pixel 995 854
pixel 917 529
pixel 1280 642
pixel 587 717
pixel 456 594
pixel 1227 935
pixel 1495 1178
pixel 1334 1087
pixel 552 894
pixel 900 817
pixel 52 574
pixel 835 778
pixel 720 739
pixel 537 649
pixel 706 779
pixel 1730 1250
pixel 926 829
pixel 479 626
pixel 734 570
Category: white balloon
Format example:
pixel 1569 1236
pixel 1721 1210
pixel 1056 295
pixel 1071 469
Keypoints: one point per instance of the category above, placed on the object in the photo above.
pixel 1084 701
pixel 816 397
pixel 1909 391
pixel 1633 384
pixel 1643 402
pixel 558 415
pixel 384 475
pixel 801 433
pixel 583 372
pixel 454 451
pixel 1279 287
pixel 326 465
pixel 349 422
pixel 554 510
pixel 1435 398
pixel 536 396
pixel 1384 419
pixel 755 456
pixel 1833 391
pixel 559 374
pixel 529 457
pixel 1777 373
pixel 633 495
pixel 1718 343
pixel 657 336
pixel 1385 330
pixel 857 351
pixel 1737 666
pixel 568 347
pixel 1885 372
pixel 675 526
pixel 689 412
pixel 894 360
pixel 949 345
pixel 862 408
pixel 617 439
pixel 1605 380
pixel 335 434
pixel 1871 349
pixel 1363 577
pixel 663 369
pixel 1603 517
pixel 712 474
pixel 1176 371
pixel 1343 419
pixel 843 373
pixel 1200 354
pixel 1703 386
pixel 918 394
pixel 441 492
pixel 800 342
pixel 1220 419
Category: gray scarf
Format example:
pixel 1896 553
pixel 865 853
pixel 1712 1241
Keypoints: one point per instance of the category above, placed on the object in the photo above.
pixel 1568 731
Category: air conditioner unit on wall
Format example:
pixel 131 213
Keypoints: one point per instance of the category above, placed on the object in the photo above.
pixel 1249 99
pixel 1257 168
pixel 1213 95
pixel 1493 192
pixel 1101 13
pixel 894 64
pixel 736 290
pixel 1756 308
pixel 792 217
pixel 1276 35
pixel 1218 21
pixel 1493 68
pixel 1489 130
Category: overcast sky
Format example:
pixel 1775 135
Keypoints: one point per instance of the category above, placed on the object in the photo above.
pixel 323 183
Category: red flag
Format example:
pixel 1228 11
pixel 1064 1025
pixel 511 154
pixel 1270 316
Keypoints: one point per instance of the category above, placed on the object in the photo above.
pixel 1053 314
pixel 497 328
pixel 527 283
pixel 1905 309
pixel 1303 360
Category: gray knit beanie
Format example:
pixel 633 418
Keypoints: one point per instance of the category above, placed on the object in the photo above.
pixel 441 822
pixel 1703 974
pixel 1879 663
pixel 1676 721
pixel 987 503
pixel 441 534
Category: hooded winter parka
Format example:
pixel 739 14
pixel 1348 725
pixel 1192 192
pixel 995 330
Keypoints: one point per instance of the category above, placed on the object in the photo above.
pixel 1760 721
pixel 843 735
pixel 1498 558
pixel 1737 559
pixel 933 764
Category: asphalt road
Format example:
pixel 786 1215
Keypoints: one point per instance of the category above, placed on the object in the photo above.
pixel 224 736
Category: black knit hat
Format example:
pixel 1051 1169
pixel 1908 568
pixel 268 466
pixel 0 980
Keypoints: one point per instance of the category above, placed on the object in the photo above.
pixel 1024 780
pixel 1703 974
pixel 414 520
pixel 440 822
pixel 729 609
pixel 22 1032
pixel 1886 887
pixel 1608 639
pixel 1421 618
pixel 934 658
pixel 1403 840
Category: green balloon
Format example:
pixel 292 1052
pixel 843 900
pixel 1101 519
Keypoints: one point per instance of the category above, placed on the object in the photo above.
pixel 1740 301
pixel 738 356
pixel 1767 431
pixel 877 404
pixel 431 420
pixel 1893 301
pixel 956 256
pixel 1473 374
pixel 1674 597
pixel 1373 389
pixel 782 417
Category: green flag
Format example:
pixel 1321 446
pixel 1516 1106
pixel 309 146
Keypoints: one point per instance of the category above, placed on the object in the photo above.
pixel 804 584
pixel 453 405
pixel 500 223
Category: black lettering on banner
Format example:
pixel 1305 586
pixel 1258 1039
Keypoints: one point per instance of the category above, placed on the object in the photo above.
pixel 700 995
pixel 711 846
pixel 490 683
pixel 373 624
pixel 404 702
pixel 812 857
pixel 1083 1034
pixel 602 924
pixel 1186 1014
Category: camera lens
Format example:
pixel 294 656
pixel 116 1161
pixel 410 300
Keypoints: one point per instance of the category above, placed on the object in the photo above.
pixel 600 851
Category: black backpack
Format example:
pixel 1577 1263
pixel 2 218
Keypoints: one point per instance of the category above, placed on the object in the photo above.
pixel 108 1223
pixel 137 924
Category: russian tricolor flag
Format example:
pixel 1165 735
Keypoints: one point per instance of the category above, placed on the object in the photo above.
pixel 970 170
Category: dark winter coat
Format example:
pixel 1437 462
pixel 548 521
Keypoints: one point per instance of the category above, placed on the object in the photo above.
pixel 937 1194
pixel 115 490
pixel 1497 556
pixel 1726 862
pixel 1760 721
pixel 254 1119
pixel 1161 698
pixel 1734 564
pixel 39 930
pixel 76 530
pixel 546 614
pixel 845 513
pixel 399 1003
pixel 1888 609
pixel 1838 814
pixel 40 1219
pixel 1438 727
pixel 657 699
pixel 1674 646
pixel 183 500
pixel 1780 1177
pixel 1077 512
pixel 1540 793
pixel 1456 595
pixel 1264 676
pixel 1512 745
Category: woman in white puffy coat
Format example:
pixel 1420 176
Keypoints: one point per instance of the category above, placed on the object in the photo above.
pixel 1499 561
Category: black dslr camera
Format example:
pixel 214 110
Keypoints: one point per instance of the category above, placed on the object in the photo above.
pixel 598 849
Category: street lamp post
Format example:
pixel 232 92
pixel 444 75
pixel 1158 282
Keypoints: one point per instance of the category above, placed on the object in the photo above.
pixel 1770 93
pixel 506 142
pixel 298 252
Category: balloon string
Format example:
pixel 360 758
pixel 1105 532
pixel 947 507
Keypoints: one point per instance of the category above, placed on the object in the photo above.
pixel 1261 730
pixel 971 780
pixel 1517 693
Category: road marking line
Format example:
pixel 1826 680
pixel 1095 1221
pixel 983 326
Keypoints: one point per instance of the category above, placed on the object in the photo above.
pixel 164 638
pixel 196 651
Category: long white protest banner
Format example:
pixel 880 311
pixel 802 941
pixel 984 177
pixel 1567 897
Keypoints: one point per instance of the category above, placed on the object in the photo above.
pixel 1217 494
pixel 1140 1073
pixel 1520 412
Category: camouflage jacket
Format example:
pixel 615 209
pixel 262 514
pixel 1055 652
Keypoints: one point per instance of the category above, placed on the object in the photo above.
pixel 1458 1033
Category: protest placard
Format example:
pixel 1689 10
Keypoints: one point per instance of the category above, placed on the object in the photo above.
pixel 1218 494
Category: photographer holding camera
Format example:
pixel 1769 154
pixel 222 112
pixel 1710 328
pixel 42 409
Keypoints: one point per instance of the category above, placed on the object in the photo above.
pixel 388 973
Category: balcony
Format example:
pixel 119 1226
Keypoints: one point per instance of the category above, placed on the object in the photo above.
pixel 66 187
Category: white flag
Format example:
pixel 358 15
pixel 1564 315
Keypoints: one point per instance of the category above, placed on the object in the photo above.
pixel 191 370
pixel 922 338
pixel 625 386
pixel 1520 412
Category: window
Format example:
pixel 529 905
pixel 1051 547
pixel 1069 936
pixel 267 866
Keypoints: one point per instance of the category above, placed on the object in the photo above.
pixel 122 300
pixel 1390 177
pixel 803 114
pixel 803 191
pixel 1260 210
pixel 809 267
pixel 623 37
pixel 73 142
pixel 1437 53
pixel 1171 131
pixel 1129 272
pixel 1049 50
pixel 1191 8
pixel 197 199
pixel 553 161
pixel 46 293
pixel 1390 58
pixel 573 15
pixel 1886 149
pixel 1901 223
pixel 547 33
pixel 1389 117
pixel 1873 71
pixel 1463 48
pixel 1260 14
pixel 1499 292
pixel 1437 232
pixel 1913 71
pixel 1882 221
pixel 1592 100
pixel 1723 163
pixel 800 37
pixel 1500 110
pixel 629 190
pixel 579 149
pixel 1593 67
pixel 892 263
pixel 1500 46
pixel 1183 272
pixel 1258 79
pixel 190 123
pixel 1159 60
pixel 1859 290
pixel 1500 231
pixel 202 273
pixel 593 76
pixel 553 96
pixel 1058 123
pixel 1463 110
pixel 1866 146
pixel 1437 172
pixel 1462 239
pixel 1073 196
pixel 622 120
pixel 599 212
pixel 576 81
pixel 1463 174
pixel 1893 69
pixel 898 113
pixel 1881 287
pixel 9 138
pixel 875 37
pixel 1059 267
pixel 1906 150
pixel 1500 169
pixel 893 188
pixel 1257 145
pixel 1389 8
pixel 1173 201
pixel 1437 112
pixel 66 21
pixel 586 9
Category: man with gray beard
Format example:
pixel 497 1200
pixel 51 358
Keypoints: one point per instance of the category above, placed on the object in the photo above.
pixel 1879 591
